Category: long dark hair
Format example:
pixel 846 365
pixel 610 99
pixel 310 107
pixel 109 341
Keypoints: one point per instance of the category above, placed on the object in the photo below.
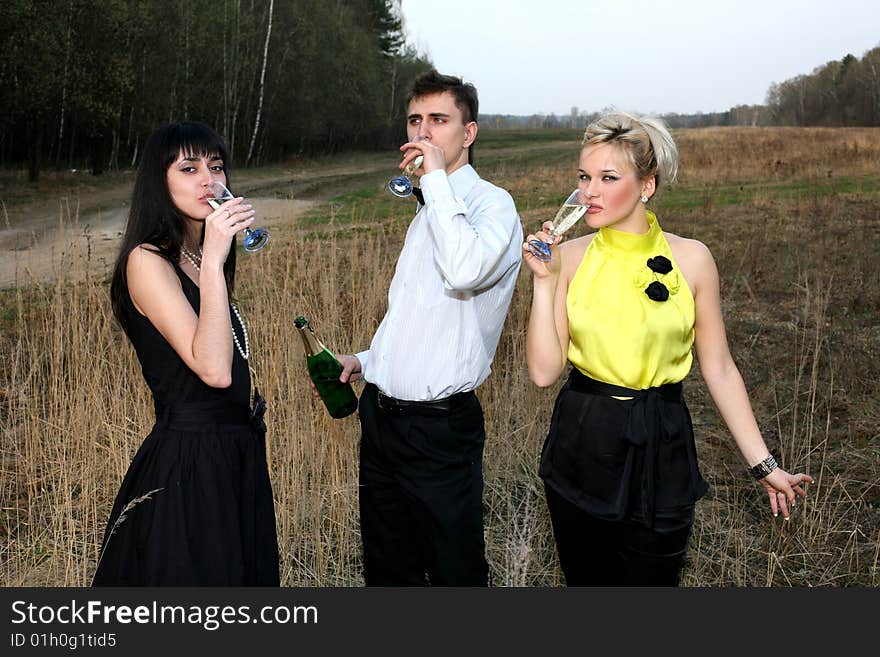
pixel 153 217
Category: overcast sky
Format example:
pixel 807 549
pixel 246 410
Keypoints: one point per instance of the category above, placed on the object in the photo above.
pixel 649 56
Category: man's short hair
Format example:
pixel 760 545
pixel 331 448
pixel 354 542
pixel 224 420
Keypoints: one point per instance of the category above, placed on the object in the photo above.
pixel 433 82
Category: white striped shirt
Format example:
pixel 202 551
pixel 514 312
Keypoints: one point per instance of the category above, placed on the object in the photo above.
pixel 450 292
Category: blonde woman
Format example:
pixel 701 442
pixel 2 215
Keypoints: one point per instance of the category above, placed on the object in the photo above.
pixel 626 305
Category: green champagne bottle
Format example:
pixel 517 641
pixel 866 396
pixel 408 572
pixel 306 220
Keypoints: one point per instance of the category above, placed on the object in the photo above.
pixel 339 398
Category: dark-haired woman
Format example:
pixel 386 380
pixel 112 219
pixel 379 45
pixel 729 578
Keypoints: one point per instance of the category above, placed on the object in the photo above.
pixel 195 507
pixel 625 306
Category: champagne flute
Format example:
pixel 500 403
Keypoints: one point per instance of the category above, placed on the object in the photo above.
pixel 401 186
pixel 216 195
pixel 567 216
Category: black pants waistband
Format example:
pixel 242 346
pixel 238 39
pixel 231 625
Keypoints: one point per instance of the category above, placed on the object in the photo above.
pixel 582 383
pixel 437 407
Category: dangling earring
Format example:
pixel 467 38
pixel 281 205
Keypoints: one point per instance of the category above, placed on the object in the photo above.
pixel 644 199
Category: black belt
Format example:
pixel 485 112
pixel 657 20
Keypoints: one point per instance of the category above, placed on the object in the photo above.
pixel 646 424
pixel 191 416
pixel 437 407
pixel 582 383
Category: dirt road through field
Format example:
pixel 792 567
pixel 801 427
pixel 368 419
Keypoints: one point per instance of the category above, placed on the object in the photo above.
pixel 75 235
pixel 56 234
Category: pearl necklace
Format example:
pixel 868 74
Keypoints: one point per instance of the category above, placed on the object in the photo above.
pixel 247 347
pixel 196 261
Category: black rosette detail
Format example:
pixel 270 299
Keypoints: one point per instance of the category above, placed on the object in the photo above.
pixel 659 264
pixel 656 291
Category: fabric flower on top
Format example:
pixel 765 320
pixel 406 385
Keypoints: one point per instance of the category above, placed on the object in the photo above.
pixel 657 291
pixel 659 279
pixel 660 264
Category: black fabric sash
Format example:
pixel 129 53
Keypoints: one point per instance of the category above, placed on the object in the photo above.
pixel 196 415
pixel 647 423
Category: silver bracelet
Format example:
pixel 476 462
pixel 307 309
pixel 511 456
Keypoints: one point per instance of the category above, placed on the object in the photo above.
pixel 764 468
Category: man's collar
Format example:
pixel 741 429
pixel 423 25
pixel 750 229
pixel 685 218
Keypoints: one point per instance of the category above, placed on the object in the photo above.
pixel 463 179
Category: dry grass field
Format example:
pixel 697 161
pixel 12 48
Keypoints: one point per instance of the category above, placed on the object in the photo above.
pixel 792 217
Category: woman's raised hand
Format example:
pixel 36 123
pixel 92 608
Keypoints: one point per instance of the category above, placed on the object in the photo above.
pixel 539 268
pixel 220 229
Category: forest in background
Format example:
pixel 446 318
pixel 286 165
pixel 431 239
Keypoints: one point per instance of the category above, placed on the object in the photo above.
pixel 843 92
pixel 83 83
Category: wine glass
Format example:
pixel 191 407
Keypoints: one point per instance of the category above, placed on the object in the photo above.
pixel 401 186
pixel 567 216
pixel 216 195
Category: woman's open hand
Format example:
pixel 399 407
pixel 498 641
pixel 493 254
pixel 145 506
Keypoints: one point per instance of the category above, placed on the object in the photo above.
pixel 783 488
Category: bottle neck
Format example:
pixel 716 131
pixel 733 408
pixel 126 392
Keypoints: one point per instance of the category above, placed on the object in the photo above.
pixel 311 343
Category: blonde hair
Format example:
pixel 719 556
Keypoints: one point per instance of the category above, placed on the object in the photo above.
pixel 644 141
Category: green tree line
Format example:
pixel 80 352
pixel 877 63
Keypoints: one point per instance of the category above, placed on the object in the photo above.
pixel 839 93
pixel 84 82
pixel 843 92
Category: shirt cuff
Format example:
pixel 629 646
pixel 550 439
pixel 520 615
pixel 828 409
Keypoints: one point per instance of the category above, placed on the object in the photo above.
pixel 363 357
pixel 436 188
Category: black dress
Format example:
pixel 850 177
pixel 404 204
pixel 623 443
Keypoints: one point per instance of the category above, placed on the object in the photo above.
pixel 195 507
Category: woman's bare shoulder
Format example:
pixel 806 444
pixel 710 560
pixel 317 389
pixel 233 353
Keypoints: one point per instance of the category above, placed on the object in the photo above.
pixel 146 260
pixel 146 252
pixel 572 252
pixel 694 259
pixel 150 276
pixel 575 248
pixel 686 247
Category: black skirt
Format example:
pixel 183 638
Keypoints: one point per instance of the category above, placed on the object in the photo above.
pixel 195 507
pixel 622 459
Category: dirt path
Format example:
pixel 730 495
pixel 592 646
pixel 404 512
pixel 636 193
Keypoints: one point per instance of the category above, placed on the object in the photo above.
pixel 72 236
pixel 79 233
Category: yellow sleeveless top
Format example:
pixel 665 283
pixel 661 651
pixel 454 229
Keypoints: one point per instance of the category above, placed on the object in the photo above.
pixel 619 334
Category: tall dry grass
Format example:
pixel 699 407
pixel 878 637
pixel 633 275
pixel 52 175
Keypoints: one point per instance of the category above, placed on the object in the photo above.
pixel 801 288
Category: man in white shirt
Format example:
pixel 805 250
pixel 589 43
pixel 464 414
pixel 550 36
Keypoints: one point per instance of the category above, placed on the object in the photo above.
pixel 421 469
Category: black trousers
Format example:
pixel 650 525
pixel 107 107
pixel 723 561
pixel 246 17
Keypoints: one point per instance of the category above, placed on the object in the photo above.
pixel 597 552
pixel 421 487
